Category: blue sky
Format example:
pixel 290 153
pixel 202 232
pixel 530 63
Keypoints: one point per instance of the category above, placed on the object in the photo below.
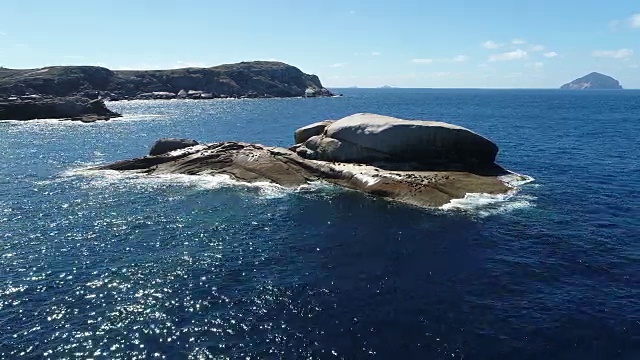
pixel 421 43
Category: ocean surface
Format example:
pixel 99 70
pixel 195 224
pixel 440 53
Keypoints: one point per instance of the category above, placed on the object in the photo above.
pixel 114 266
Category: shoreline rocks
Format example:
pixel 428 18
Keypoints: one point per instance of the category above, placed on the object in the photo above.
pixel 71 108
pixel 422 183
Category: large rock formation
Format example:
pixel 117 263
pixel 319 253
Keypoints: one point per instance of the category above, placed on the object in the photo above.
pixel 166 145
pixel 406 180
pixel 304 133
pixel 370 138
pixel 245 79
pixel 593 81
pixel 71 108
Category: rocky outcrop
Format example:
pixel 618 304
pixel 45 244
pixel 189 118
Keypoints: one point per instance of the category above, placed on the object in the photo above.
pixel 258 163
pixel 71 108
pixel 166 145
pixel 245 79
pixel 377 139
pixel 408 182
pixel 593 81
pixel 304 133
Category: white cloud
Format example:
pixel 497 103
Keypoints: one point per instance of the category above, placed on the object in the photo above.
pixel 491 45
pixel 550 54
pixel 460 58
pixel 536 65
pixel 518 42
pixel 375 53
pixel 508 56
pixel 535 48
pixel 338 65
pixel 614 54
pixel 2 33
pixel 422 61
pixel 634 21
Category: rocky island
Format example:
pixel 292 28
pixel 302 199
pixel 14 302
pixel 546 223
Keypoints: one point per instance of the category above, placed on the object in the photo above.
pixel 25 93
pixel 593 81
pixel 423 163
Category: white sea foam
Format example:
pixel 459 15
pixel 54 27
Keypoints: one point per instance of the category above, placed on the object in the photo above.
pixel 129 117
pixel 367 180
pixel 112 178
pixel 487 204
pixel 515 180
pixel 475 203
pixel 491 204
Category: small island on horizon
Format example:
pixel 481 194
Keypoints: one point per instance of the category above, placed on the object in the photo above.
pixel 593 81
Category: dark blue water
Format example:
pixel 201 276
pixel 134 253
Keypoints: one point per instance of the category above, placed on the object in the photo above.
pixel 107 266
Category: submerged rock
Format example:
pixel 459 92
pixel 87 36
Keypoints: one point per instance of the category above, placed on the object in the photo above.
pixel 404 174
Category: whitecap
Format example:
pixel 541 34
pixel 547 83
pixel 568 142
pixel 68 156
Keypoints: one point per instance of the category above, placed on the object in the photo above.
pixel 52 121
pixel 515 180
pixel 112 178
pixel 483 204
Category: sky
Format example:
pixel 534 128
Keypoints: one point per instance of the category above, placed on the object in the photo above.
pixel 365 43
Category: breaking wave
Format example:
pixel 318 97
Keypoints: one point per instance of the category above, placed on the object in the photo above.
pixel 492 204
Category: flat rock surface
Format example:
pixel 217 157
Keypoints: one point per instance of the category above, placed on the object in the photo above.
pixel 253 163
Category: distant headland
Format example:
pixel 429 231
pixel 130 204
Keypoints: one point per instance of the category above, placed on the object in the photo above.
pixel 245 79
pixel 20 89
pixel 593 81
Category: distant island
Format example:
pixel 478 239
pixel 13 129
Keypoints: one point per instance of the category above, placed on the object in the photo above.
pixel 593 81
pixel 385 87
pixel 21 90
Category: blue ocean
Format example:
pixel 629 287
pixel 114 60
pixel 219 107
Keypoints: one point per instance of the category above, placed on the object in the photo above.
pixel 118 266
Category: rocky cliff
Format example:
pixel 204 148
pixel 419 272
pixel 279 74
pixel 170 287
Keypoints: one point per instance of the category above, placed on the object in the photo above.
pixel 593 81
pixel 245 79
